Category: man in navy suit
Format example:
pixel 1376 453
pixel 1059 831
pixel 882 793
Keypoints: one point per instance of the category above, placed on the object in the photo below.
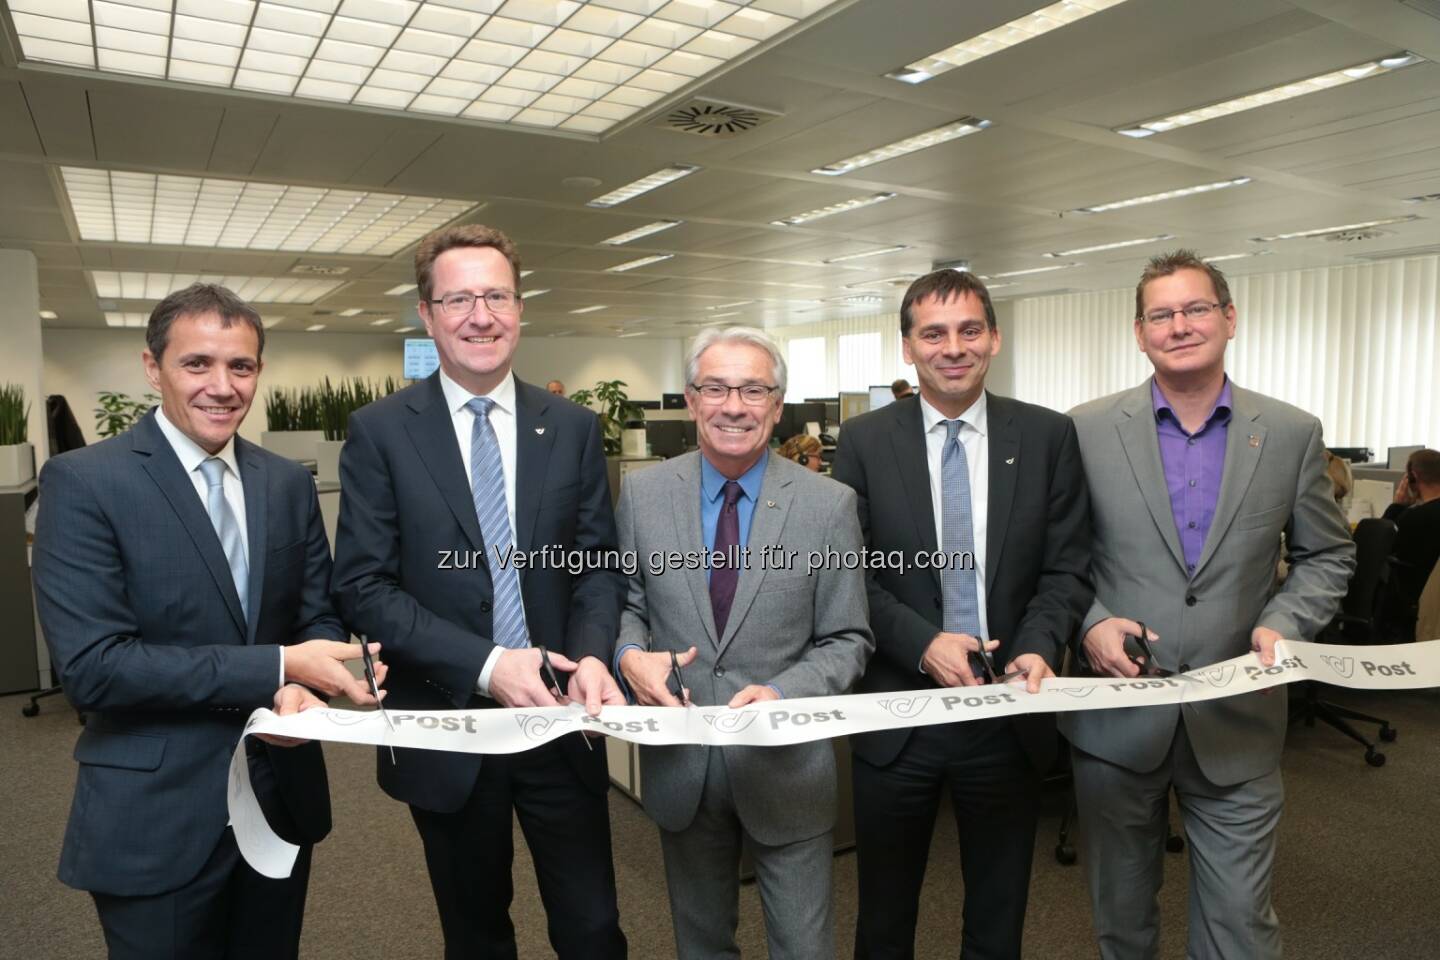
pixel 443 484
pixel 181 576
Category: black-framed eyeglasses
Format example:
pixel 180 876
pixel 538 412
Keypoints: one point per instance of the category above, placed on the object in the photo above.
pixel 752 393
pixel 1194 312
pixel 459 304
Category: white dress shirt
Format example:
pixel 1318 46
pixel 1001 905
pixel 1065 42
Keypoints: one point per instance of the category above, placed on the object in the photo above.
pixel 502 421
pixel 974 437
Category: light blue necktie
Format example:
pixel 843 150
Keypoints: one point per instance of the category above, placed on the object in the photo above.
pixel 222 518
pixel 487 488
pixel 957 580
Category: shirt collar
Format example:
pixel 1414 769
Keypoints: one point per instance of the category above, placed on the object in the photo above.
pixel 712 481
pixel 976 415
pixel 1218 413
pixel 457 396
pixel 190 453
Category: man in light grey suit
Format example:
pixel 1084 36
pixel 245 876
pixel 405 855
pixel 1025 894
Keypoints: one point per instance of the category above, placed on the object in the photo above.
pixel 760 629
pixel 1192 481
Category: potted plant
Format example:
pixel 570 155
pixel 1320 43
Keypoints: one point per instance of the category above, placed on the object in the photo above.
pixel 17 457
pixel 292 419
pixel 615 410
pixel 119 411
pixel 335 404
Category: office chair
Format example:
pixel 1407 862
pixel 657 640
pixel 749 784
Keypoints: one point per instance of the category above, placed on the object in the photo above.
pixel 1357 622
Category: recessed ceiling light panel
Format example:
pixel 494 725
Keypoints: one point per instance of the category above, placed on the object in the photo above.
pixel 1343 228
pixel 648 230
pixel 132 285
pixel 1118 244
pixel 1167 195
pixel 644 185
pixel 930 138
pixel 844 206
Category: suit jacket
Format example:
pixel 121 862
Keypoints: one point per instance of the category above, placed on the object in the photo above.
pixel 1037 553
pixel 807 635
pixel 405 503
pixel 1274 481
pixel 146 631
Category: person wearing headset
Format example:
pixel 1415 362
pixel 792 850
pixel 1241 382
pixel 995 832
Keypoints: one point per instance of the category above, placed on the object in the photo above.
pixel 804 450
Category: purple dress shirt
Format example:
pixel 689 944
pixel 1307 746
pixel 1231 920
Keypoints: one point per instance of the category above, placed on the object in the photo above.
pixel 1194 466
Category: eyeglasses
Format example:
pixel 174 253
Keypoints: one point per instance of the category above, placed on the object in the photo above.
pixel 459 304
pixel 1194 312
pixel 752 393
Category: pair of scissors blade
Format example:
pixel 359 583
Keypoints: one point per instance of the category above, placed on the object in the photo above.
pixel 679 680
pixel 369 662
pixel 555 685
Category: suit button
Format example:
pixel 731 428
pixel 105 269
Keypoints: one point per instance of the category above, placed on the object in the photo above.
pixel 1184 668
pixel 938 604
pixel 1190 600
pixel 719 671
pixel 484 606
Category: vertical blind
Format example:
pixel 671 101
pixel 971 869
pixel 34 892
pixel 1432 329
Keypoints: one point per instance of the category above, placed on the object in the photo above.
pixel 860 352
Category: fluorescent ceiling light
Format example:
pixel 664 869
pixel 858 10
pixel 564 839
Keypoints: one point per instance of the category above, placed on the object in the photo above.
pixel 49 315
pixel 642 262
pixel 900 280
pixel 1343 228
pixel 401 290
pixel 1262 98
pixel 128 285
pixel 403 329
pixel 868 253
pixel 623 336
pixel 930 138
pixel 532 294
pixel 314 326
pixel 727 306
pixel 1026 273
pixel 1167 195
pixel 382 321
pixel 718 316
pixel 638 232
pixel 352 312
pixel 525 273
pixel 560 333
pixel 125 207
pixel 1110 246
pixel 856 299
pixel 577 65
pixel 269 322
pixel 644 185
pixel 843 206
pixel 1003 37
pixel 590 309
pixel 1235 256
pixel 115 318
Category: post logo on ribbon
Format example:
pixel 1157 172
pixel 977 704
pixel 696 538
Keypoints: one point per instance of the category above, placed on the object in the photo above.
pixel 1345 666
pixel 536 728
pixel 905 707
pixel 1219 676
pixel 1077 692
pixel 730 722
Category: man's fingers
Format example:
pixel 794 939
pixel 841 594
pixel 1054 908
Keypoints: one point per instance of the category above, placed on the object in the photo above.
pixel 561 662
pixel 688 657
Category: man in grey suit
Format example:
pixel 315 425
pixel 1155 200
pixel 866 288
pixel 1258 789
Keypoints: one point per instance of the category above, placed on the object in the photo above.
pixel 182 579
pixel 766 629
pixel 1192 482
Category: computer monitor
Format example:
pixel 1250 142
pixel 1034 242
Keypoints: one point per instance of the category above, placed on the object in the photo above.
pixel 832 409
pixel 1353 454
pixel 647 404
pixel 881 396
pixel 1400 456
pixel 794 416
pixel 672 401
pixel 853 404
pixel 666 437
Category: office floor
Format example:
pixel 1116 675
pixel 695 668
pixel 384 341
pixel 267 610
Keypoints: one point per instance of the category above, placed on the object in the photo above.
pixel 1356 875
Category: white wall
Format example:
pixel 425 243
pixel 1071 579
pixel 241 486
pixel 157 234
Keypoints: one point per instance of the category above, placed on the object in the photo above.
pixel 20 332
pixel 80 363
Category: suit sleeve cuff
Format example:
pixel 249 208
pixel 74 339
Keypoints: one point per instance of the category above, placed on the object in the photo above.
pixel 620 677
pixel 482 685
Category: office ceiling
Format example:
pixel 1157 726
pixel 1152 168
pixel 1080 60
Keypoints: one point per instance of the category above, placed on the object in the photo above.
pixel 1001 198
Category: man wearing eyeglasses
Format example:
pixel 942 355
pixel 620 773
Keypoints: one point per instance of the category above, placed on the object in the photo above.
pixel 995 486
pixel 755 621
pixel 1192 481
pixel 475 462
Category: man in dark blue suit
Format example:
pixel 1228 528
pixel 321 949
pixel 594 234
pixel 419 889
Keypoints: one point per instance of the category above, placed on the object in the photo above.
pixel 182 575
pixel 442 484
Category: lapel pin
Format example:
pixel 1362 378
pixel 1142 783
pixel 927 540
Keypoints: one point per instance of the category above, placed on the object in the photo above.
pixel 770 503
pixel 1011 461
pixel 1254 440
pixel 539 431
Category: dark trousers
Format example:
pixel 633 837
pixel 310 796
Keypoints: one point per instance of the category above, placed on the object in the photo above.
pixel 228 912
pixel 996 797
pixel 470 853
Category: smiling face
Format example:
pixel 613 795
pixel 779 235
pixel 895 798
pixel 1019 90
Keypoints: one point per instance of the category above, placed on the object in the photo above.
pixel 475 348
pixel 1181 348
pixel 206 377
pixel 951 345
pixel 731 433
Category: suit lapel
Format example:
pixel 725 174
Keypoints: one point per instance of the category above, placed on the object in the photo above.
pixel 766 524
pixel 907 438
pixel 685 510
pixel 433 433
pixel 1004 462
pixel 1142 448
pixel 255 475
pixel 164 468
pixel 533 442
pixel 1244 442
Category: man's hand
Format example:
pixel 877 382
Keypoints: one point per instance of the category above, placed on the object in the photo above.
pixel 648 675
pixel 1405 493
pixel 1262 641
pixel 516 680
pixel 592 684
pixel 291 698
pixel 1035 667
pixel 1105 646
pixel 755 693
pixel 320 665
pixel 947 659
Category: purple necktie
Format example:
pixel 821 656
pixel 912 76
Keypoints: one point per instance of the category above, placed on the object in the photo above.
pixel 727 542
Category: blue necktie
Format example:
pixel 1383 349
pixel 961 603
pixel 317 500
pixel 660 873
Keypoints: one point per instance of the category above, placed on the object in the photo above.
pixel 487 488
pixel 222 518
pixel 957 580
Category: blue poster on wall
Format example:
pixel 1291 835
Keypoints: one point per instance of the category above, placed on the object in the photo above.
pixel 421 360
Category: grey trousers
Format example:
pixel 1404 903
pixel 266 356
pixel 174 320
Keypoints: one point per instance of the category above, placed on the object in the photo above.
pixel 702 872
pixel 1231 840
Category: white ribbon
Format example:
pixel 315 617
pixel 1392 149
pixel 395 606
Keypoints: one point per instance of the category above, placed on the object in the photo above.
pixel 781 722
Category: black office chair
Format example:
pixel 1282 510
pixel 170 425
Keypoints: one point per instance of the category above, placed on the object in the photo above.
pixel 1356 623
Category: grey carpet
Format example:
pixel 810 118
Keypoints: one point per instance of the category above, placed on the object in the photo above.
pixel 1356 875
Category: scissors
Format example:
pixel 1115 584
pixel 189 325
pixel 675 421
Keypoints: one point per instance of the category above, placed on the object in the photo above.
pixel 1149 667
pixel 679 679
pixel 987 665
pixel 375 688
pixel 554 684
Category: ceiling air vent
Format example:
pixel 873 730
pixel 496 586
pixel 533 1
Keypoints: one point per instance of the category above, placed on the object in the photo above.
pixel 1350 236
pixel 319 270
pixel 713 119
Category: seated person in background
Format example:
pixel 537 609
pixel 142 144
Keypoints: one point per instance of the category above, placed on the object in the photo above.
pixel 1416 513
pixel 804 450
pixel 901 389
pixel 556 387
pixel 1341 479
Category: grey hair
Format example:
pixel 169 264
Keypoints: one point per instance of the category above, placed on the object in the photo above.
pixel 754 336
